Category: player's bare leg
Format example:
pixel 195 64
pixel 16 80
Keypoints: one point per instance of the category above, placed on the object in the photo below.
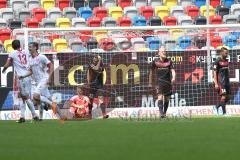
pixel 103 107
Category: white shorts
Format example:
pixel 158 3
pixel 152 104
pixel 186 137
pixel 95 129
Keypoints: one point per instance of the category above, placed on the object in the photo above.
pixel 41 88
pixel 24 86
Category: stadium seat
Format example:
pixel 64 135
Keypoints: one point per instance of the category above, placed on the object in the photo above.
pixel 3 3
pixel 107 44
pixel 235 9
pixel 109 3
pixel 154 21
pixel 222 10
pixel 131 11
pixel 161 11
pixel 169 21
pixel 63 22
pixel 84 35
pixel 177 11
pixel 39 13
pixel 14 24
pixel 94 22
pixel 237 34
pixel 93 3
pixel 184 42
pixel 62 4
pixel 138 43
pixel 79 22
pixel 139 3
pixel 45 45
pixel 192 11
pixel 77 45
pixel 230 41
pixel 85 12
pixel 48 23
pixel 8 45
pixel 99 34
pixel 109 22
pixel 54 13
pixel 216 41
pixel 91 43
pixel 78 4
pixel 153 43
pixel 185 20
pixel 69 12
pixel 124 21
pixel 123 44
pixel 23 14
pixel 6 13
pixel 139 21
pixel 200 41
pixel 3 23
pixel 228 3
pixel 30 4
pixel 100 12
pixel 60 44
pixel 185 3
pixel 200 3
pixel 124 3
pixel 215 3
pixel 5 33
pixel 217 19
pixel 170 43
pixel 146 11
pixel 170 3
pixel 203 11
pixel 154 3
pixel 17 4
pixel 47 4
pixel 230 19
pixel 176 33
pixel 31 23
pixel 200 20
pixel 115 12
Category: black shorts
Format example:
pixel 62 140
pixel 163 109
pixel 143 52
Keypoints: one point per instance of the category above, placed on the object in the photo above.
pixel 164 89
pixel 224 89
pixel 95 91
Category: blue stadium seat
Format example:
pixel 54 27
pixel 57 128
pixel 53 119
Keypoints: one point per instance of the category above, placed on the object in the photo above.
pixel 228 3
pixel 139 21
pixel 184 41
pixel 230 41
pixel 153 43
pixel 200 3
pixel 237 34
pixel 85 12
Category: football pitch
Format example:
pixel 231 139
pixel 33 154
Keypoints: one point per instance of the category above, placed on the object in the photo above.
pixel 181 139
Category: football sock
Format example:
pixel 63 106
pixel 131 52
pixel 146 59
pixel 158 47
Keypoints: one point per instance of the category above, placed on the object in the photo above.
pixel 31 107
pixel 160 106
pixel 165 107
pixel 22 109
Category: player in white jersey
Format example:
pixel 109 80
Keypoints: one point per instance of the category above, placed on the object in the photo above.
pixel 19 59
pixel 41 70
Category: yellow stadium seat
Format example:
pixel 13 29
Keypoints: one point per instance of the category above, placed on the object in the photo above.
pixel 8 45
pixel 63 22
pixel 170 3
pixel 176 33
pixel 161 11
pixel 219 47
pixel 115 12
pixel 99 35
pixel 60 44
pixel 142 49
pixel 203 11
pixel 47 4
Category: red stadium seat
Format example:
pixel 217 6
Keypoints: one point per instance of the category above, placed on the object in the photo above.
pixel 62 4
pixel 85 35
pixel 124 21
pixel 124 3
pixel 192 11
pixel 39 13
pixel 5 33
pixel 31 22
pixel 146 11
pixel 100 12
pixel 215 3
pixel 216 41
pixel 3 3
pixel 169 21
pixel 54 36
pixel 215 19
pixel 94 22
pixel 107 44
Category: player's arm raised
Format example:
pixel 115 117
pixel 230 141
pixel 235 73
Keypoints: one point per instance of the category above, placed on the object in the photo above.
pixel 7 64
pixel 98 64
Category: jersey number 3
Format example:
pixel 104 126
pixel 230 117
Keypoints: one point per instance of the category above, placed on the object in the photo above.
pixel 22 58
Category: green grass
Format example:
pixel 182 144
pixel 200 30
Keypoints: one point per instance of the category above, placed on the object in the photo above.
pixel 199 138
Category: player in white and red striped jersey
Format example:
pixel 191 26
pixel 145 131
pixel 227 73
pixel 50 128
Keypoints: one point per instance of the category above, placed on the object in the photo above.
pixel 41 70
pixel 20 61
